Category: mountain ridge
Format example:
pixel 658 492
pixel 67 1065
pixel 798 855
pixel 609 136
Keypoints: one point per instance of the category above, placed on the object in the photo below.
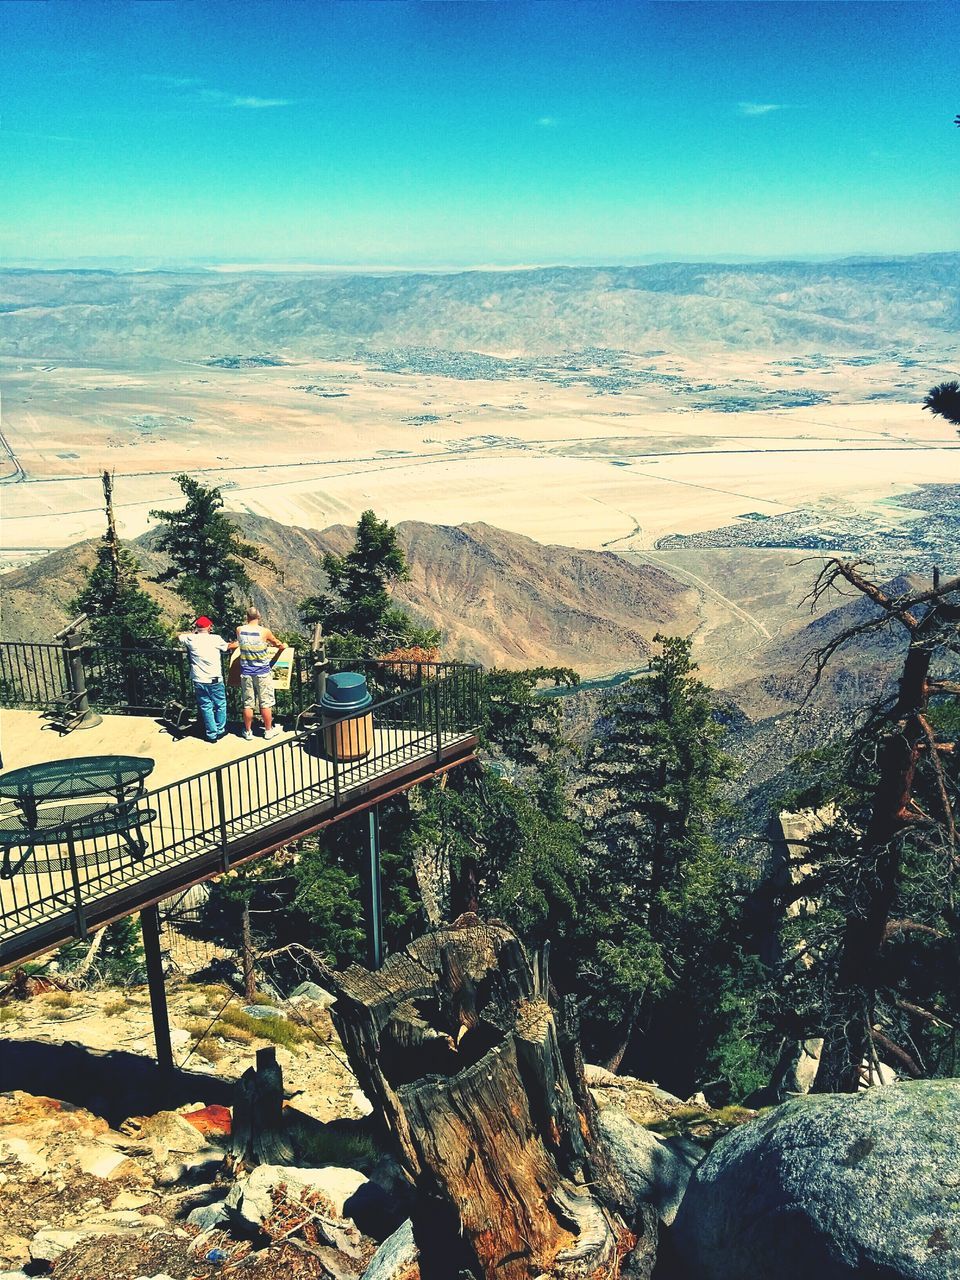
pixel 498 598
pixel 866 303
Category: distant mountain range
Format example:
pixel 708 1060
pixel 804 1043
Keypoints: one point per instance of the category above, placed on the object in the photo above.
pixel 867 304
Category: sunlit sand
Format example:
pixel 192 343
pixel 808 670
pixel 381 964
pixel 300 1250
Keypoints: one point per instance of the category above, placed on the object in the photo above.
pixel 556 463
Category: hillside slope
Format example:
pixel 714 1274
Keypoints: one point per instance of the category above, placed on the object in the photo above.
pixel 498 598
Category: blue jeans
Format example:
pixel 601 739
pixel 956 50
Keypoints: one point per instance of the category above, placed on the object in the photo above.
pixel 212 705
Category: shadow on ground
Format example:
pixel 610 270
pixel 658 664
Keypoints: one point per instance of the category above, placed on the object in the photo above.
pixel 114 1085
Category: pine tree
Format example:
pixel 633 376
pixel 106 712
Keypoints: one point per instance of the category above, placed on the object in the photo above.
pixel 120 613
pixel 882 943
pixel 207 553
pixel 656 880
pixel 124 622
pixel 358 613
pixel 943 401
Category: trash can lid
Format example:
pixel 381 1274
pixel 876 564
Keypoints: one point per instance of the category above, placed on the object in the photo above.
pixel 346 691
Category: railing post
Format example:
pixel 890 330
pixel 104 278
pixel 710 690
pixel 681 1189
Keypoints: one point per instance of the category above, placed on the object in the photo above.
pixel 438 736
pixel 334 761
pixel 77 896
pixel 222 816
pixel 150 929
pixel 320 664
pixel 374 898
pixel 73 657
pixel 319 675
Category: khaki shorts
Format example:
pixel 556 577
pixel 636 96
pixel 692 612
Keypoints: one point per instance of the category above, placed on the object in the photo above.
pixel 258 691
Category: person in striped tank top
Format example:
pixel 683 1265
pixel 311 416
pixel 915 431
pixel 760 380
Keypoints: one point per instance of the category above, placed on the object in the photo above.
pixel 257 645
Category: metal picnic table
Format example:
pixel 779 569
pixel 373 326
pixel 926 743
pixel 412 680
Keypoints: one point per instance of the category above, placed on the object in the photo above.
pixel 69 801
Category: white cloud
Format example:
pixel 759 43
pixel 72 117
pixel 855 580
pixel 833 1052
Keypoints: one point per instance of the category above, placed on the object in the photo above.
pixel 258 103
pixel 193 89
pixel 548 122
pixel 758 108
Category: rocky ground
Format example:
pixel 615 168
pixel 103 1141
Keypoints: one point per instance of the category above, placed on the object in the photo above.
pixel 211 1033
pixel 79 1197
pixel 153 1194
pixel 105 1172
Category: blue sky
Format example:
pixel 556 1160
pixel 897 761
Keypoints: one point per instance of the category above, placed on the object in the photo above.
pixel 468 133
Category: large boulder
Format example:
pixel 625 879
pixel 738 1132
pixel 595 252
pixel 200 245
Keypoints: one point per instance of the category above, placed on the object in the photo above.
pixel 655 1170
pixel 832 1186
pixel 310 993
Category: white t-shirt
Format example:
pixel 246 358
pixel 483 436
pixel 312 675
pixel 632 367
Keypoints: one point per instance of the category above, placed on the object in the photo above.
pixel 204 649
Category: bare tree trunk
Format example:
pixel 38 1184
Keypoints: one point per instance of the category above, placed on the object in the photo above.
pixel 465 889
pixel 615 1059
pixel 486 1103
pixel 111 536
pixel 847 1038
pixel 96 942
pixel 247 956
pixel 431 866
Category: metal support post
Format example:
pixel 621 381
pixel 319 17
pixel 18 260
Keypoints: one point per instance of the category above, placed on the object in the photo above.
pixel 150 926
pixel 374 899
pixel 73 657
pixel 320 664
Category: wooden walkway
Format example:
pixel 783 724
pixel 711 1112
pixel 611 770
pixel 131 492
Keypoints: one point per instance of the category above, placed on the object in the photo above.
pixel 198 824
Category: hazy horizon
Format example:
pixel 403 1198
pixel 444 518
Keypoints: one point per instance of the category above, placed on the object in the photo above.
pixel 130 263
pixel 465 135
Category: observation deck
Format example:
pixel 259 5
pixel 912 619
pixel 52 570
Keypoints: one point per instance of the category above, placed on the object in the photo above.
pixel 207 807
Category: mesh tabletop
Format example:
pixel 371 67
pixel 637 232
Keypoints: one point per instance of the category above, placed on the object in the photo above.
pixel 83 776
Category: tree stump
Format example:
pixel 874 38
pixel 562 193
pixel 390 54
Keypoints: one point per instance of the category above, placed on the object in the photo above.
pixel 257 1135
pixel 456 1046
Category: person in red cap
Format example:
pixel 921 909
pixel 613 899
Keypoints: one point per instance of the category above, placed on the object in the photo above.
pixel 206 670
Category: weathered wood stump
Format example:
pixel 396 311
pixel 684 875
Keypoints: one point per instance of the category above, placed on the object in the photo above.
pixel 257 1135
pixel 456 1046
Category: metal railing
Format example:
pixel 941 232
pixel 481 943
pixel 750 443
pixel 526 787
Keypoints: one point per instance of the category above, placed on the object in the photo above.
pixel 32 676
pixel 214 813
pixel 147 680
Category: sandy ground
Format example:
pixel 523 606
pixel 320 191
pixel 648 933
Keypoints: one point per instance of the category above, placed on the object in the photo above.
pixel 110 1018
pixel 317 443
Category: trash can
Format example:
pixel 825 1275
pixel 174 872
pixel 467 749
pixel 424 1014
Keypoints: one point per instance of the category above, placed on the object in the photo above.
pixel 346 735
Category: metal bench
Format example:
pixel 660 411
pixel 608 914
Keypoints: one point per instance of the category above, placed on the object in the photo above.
pixel 58 827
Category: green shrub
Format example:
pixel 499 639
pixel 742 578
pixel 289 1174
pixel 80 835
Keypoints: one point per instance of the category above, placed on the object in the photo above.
pixel 322 1144
pixel 277 1030
pixel 59 999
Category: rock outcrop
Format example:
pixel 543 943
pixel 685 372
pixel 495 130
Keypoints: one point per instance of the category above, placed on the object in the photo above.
pixel 832 1186
pixel 397 1258
pixel 655 1169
